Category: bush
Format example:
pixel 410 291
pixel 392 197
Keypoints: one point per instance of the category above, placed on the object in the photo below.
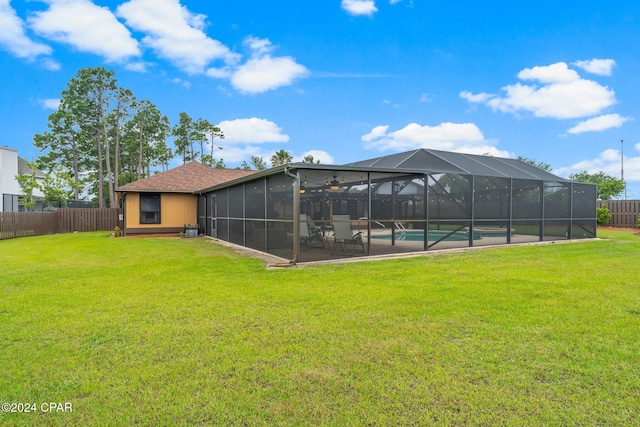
pixel 603 216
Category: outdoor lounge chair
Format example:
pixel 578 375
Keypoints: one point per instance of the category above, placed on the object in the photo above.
pixel 343 236
pixel 311 236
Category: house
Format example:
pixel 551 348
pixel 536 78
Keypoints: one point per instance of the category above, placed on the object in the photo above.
pixel 166 202
pixel 11 165
pixel 415 201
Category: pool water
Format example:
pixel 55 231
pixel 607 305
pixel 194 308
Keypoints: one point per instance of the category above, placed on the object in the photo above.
pixel 418 236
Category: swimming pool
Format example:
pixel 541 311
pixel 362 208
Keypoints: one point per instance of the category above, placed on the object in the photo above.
pixel 418 235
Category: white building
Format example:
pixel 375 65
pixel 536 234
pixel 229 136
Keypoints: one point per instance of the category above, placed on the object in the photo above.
pixel 11 166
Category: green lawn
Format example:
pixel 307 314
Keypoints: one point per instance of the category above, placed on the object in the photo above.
pixel 184 332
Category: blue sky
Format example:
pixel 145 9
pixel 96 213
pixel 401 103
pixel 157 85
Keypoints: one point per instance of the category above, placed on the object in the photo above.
pixel 349 80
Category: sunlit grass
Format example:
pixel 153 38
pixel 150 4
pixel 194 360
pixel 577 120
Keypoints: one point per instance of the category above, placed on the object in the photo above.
pixel 184 332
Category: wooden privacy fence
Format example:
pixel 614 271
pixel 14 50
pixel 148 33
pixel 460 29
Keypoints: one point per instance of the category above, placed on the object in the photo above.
pixel 624 213
pixel 21 224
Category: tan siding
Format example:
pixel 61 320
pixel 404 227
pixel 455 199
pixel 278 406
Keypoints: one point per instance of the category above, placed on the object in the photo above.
pixel 175 210
pixel 178 209
pixel 132 210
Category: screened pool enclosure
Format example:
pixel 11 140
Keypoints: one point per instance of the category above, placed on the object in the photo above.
pixel 415 201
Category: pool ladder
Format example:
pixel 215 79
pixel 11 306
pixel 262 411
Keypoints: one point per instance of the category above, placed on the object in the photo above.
pixel 402 229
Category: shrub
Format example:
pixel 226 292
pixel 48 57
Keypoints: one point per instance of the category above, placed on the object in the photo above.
pixel 603 216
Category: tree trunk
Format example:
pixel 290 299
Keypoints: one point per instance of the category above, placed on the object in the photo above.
pixel 140 150
pixel 100 173
pixel 116 156
pixel 112 194
pixel 74 162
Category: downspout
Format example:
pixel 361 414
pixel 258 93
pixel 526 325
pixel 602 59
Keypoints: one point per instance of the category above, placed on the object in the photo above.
pixel 296 213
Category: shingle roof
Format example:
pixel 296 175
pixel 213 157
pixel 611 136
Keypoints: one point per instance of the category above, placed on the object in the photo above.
pixel 188 178
pixel 24 169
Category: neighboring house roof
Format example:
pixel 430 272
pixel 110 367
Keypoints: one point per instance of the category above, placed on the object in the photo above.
pixel 188 178
pixel 24 169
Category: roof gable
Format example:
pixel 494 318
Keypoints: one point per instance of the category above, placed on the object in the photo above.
pixel 188 178
pixel 24 169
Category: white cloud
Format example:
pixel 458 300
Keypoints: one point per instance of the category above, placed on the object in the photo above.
pixel 264 72
pixel 601 67
pixel 170 30
pixel 87 27
pixel 258 46
pixel 175 34
pixel 218 73
pixel 236 154
pixel 251 131
pixel 425 97
pixel 50 64
pixel 479 97
pixel 184 83
pixel 460 137
pixel 563 95
pixel 376 133
pixel 50 103
pixel 554 73
pixel 600 123
pixel 359 7
pixel 608 162
pixel 323 156
pixel 243 138
pixel 13 37
pixel 138 66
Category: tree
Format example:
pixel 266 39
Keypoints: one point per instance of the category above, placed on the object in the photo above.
pixel 204 132
pixel 89 95
pixel 61 145
pixel 146 139
pixel 309 159
pixel 281 157
pixel 184 133
pixel 257 162
pixel 117 119
pixel 100 131
pixel 540 165
pixel 608 186
pixel 28 183
pixel 57 186
pixel 100 90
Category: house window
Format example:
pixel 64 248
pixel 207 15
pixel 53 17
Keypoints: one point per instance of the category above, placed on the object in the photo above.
pixel 10 203
pixel 149 208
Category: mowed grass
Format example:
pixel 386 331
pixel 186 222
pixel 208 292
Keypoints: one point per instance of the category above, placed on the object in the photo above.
pixel 185 332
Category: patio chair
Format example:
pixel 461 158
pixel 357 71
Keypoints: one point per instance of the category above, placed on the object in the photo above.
pixel 310 234
pixel 343 236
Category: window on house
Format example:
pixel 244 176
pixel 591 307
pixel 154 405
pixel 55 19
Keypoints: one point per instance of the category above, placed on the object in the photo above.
pixel 10 203
pixel 149 208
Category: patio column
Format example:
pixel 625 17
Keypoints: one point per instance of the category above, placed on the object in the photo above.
pixel 296 217
pixel 369 197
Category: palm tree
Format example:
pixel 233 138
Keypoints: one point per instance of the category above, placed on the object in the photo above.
pixel 281 157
